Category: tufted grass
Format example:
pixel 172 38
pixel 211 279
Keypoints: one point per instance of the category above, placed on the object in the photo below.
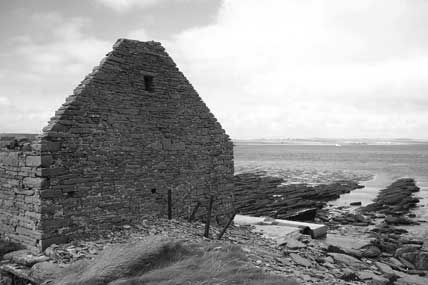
pixel 160 261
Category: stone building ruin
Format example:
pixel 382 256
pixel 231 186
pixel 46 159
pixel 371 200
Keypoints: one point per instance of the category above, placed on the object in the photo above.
pixel 132 129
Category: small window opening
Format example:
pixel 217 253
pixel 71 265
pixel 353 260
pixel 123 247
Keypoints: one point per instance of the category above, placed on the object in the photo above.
pixel 153 190
pixel 148 83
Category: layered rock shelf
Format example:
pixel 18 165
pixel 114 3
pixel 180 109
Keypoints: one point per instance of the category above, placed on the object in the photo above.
pixel 395 199
pixel 257 194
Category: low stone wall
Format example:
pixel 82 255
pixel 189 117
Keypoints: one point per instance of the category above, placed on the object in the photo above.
pixel 20 204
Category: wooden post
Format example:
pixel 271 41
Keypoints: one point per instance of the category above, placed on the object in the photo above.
pixel 195 209
pixel 169 204
pixel 207 225
pixel 229 222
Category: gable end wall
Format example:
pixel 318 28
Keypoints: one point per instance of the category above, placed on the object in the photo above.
pixel 117 148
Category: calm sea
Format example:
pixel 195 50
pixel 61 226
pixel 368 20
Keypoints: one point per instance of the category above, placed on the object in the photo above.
pixel 375 166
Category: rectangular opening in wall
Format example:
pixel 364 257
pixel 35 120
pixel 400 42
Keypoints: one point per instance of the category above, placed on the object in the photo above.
pixel 148 83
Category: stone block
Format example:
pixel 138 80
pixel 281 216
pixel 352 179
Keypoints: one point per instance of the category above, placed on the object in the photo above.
pixel 9 158
pixel 38 160
pixel 50 172
pixel 35 182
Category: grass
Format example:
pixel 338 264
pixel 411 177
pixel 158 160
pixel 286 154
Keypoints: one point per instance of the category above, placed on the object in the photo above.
pixel 160 261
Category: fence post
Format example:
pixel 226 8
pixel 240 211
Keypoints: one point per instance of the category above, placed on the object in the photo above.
pixel 169 204
pixel 229 222
pixel 207 225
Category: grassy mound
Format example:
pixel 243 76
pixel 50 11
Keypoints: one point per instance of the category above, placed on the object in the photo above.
pixel 161 261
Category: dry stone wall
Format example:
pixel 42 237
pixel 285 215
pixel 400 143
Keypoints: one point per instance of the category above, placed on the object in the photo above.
pixel 20 204
pixel 133 129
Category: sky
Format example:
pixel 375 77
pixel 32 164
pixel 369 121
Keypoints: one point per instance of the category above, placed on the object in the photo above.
pixel 266 69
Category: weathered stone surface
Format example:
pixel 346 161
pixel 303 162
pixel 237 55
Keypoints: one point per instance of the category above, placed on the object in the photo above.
pixel 411 280
pixel 38 160
pixel 370 251
pixel 378 280
pixel 347 260
pixel 260 195
pixel 300 260
pixel 385 268
pixel 418 259
pixel 34 182
pixel 292 243
pixel 24 257
pixel 45 271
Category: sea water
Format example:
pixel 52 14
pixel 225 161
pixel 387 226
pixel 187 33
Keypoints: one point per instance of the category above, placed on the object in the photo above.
pixel 374 166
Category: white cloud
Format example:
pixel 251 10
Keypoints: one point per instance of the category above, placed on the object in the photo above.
pixel 123 5
pixel 4 101
pixel 46 70
pixel 140 35
pixel 126 5
pixel 69 50
pixel 311 68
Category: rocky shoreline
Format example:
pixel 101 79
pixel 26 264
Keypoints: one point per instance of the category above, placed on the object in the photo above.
pixel 258 194
pixel 363 245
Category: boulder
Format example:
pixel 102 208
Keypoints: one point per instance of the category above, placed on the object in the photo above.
pixel 349 275
pixel 370 251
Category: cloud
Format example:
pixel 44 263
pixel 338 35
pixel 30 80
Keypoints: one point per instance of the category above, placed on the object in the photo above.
pixel 4 101
pixel 46 69
pixel 140 34
pixel 67 49
pixel 311 68
pixel 124 5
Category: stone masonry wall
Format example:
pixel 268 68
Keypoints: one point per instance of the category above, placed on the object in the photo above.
pixel 20 204
pixel 133 129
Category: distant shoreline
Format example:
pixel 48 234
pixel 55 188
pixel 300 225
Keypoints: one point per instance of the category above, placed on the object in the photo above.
pixel 325 143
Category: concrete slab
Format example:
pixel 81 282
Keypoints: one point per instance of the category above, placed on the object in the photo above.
pixel 281 226
pixel 315 230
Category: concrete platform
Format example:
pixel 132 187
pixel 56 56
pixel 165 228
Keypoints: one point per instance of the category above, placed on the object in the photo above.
pixel 277 228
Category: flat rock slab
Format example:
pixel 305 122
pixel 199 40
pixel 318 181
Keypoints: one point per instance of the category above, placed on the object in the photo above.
pixel 347 260
pixel 292 243
pixel 45 271
pixel 348 242
pixel 24 257
pixel 300 260
pixel 411 280
pixel 19 271
pixel 384 268
pixel 277 233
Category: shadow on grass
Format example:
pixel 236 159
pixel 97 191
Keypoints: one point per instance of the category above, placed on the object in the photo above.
pixel 160 261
